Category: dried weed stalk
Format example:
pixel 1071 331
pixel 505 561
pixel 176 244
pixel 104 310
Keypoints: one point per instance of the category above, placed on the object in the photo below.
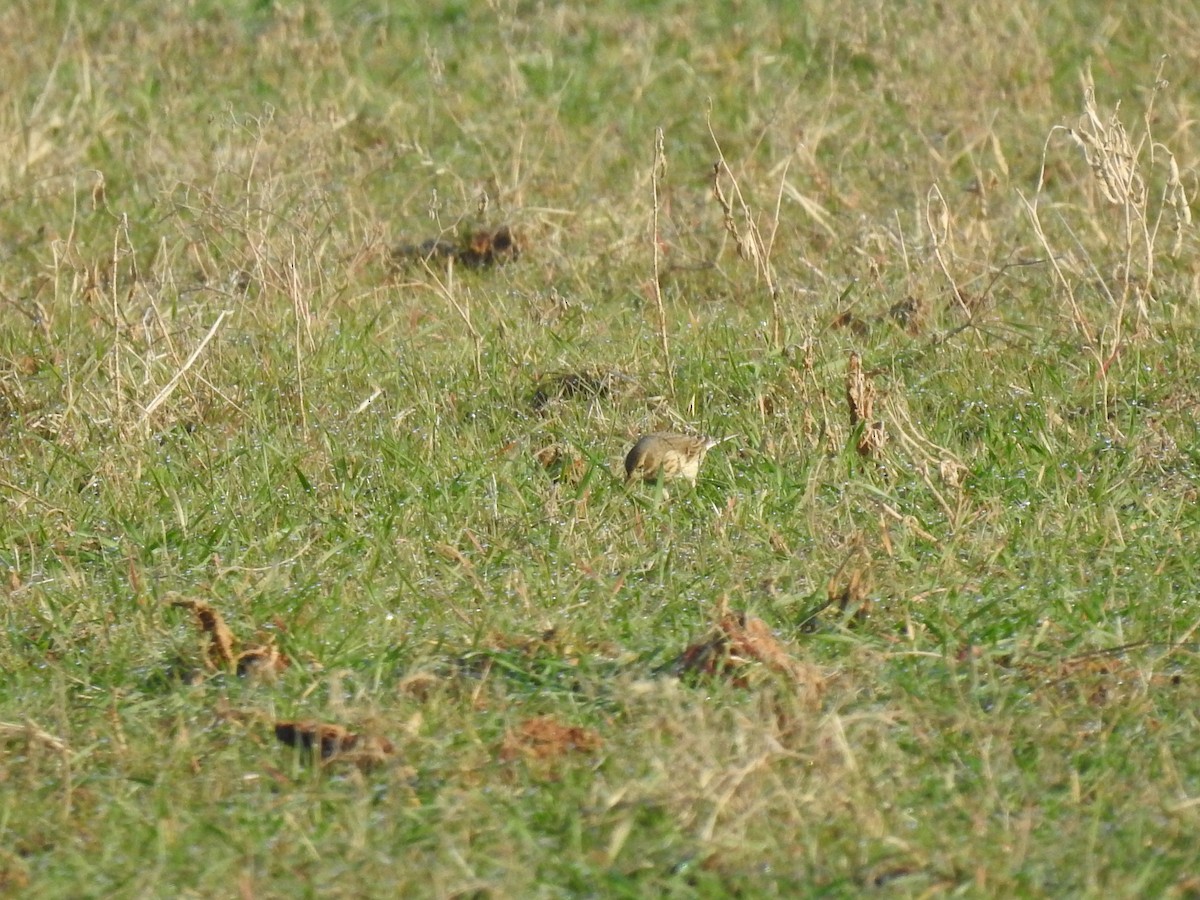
pixel 656 176
pixel 738 644
pixel 447 290
pixel 928 459
pixel 937 220
pixel 747 237
pixel 1120 164
pixel 860 397
pixel 163 395
pixel 264 661
pixel 34 735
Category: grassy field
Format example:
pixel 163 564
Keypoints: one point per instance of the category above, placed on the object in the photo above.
pixel 960 662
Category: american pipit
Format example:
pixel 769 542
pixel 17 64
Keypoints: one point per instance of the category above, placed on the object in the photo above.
pixel 667 455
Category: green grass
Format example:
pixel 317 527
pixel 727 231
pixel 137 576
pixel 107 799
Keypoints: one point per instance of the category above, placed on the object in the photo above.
pixel 213 386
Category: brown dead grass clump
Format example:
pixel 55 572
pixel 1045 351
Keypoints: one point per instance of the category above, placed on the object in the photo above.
pixel 333 743
pixel 544 738
pixel 220 638
pixel 263 661
pixel 735 646
pixel 860 397
pixel 1099 680
pixel 563 464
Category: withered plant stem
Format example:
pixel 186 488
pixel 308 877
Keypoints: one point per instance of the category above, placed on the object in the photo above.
pixel 660 169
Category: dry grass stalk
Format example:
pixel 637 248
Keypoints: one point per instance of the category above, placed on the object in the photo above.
pixel 656 175
pixel 34 735
pixel 860 397
pixel 264 661
pixel 1175 197
pixel 929 457
pixel 1080 321
pixel 220 639
pixel 448 291
pixel 1113 159
pixel 1116 161
pixel 939 232
pixel 302 315
pixel 909 522
pixel 1109 152
pixel 748 239
pixel 170 386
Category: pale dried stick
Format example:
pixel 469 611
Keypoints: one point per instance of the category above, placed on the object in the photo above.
pixel 169 389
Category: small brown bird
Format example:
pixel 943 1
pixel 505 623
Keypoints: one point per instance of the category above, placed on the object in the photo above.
pixel 667 455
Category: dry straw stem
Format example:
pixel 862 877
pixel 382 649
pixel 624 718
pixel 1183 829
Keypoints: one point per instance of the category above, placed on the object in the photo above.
pixel 1077 317
pixel 887 505
pixel 303 330
pixel 1109 153
pixel 221 640
pixel 31 732
pixel 33 138
pixel 658 172
pixel 748 239
pixel 170 386
pixel 1114 163
pixel 860 398
pixel 939 233
pixel 725 786
pixel 446 290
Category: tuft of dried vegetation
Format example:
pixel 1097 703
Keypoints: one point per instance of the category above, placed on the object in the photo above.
pixel 221 655
pixel 334 744
pixel 869 434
